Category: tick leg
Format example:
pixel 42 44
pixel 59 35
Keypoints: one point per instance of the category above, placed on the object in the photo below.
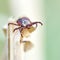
pixel 29 25
pixel 16 29
pixel 36 23
pixel 21 38
pixel 33 24
pixel 12 24
pixel 20 28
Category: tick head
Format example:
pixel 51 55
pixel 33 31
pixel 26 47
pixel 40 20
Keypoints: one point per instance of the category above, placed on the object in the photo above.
pixel 24 21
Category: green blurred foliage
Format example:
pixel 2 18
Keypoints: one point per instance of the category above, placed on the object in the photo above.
pixel 4 7
pixel 4 13
pixel 1 46
pixel 53 29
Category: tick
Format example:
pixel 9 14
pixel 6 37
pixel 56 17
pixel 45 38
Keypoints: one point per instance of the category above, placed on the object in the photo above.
pixel 24 23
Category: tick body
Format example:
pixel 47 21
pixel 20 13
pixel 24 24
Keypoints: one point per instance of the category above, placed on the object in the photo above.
pixel 23 21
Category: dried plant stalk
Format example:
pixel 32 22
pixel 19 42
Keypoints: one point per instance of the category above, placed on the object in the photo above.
pixel 10 42
pixel 27 46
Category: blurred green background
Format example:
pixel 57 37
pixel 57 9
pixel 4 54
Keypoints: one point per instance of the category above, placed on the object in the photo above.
pixel 4 13
pixel 52 15
pixel 52 10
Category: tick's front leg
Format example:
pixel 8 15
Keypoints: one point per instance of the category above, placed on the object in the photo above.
pixel 12 24
pixel 16 29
